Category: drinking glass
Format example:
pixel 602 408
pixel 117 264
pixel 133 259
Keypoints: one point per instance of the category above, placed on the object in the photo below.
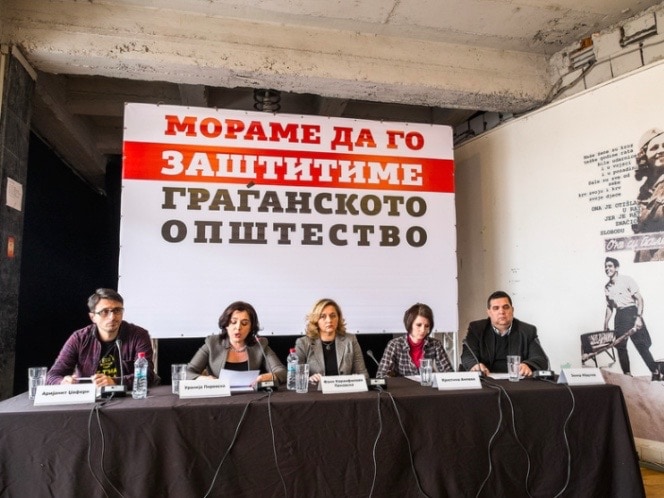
pixel 178 373
pixel 36 377
pixel 513 367
pixel 302 378
pixel 426 372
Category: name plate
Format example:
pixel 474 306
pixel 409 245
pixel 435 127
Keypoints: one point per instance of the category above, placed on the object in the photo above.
pixel 65 394
pixel 204 388
pixel 456 380
pixel 343 384
pixel 581 376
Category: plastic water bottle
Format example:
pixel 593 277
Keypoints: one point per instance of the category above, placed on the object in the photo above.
pixel 140 377
pixel 292 366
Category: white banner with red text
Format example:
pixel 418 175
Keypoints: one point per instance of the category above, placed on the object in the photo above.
pixel 280 211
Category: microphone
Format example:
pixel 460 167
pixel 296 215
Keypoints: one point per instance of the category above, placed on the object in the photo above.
pixel 547 374
pixel 117 390
pixel 118 344
pixel 464 343
pixel 377 383
pixel 371 355
pixel 265 385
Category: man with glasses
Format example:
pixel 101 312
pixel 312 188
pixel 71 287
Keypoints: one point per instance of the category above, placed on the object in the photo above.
pixel 104 351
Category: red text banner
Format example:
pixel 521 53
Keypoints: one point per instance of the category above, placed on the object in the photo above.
pixel 281 210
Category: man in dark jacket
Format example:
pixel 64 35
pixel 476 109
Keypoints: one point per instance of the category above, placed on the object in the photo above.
pixel 490 340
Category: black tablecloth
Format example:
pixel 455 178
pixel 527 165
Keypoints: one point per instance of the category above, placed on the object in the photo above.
pixel 507 439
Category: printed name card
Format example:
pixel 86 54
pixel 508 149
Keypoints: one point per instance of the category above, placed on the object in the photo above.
pixel 65 394
pixel 204 388
pixel 581 376
pixel 456 380
pixel 343 384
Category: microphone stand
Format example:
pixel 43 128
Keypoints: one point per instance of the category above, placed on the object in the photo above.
pixel 265 385
pixel 377 383
pixel 117 390
pixel 479 371
pixel 547 374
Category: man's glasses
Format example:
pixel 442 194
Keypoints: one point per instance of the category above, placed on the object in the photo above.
pixel 109 311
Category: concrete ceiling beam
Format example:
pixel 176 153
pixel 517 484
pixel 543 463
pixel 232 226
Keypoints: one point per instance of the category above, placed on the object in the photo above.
pixel 189 48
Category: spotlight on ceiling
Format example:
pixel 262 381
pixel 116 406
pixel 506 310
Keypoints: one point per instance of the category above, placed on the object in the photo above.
pixel 267 100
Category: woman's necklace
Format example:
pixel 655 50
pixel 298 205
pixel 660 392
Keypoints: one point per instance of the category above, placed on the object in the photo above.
pixel 239 350
pixel 327 344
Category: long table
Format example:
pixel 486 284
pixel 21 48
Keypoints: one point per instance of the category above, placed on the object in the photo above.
pixel 529 438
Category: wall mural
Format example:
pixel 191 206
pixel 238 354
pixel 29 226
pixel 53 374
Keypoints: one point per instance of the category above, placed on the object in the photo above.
pixel 563 208
pixel 626 189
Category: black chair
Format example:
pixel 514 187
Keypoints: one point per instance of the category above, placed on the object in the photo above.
pixel 596 343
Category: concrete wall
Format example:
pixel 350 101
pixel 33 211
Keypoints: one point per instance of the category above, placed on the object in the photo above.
pixel 589 63
pixel 17 89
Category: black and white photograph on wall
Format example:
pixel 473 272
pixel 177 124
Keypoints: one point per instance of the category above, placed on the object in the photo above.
pixel 625 304
pixel 650 199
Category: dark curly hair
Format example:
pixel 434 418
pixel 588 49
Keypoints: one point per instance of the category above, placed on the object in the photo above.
pixel 225 320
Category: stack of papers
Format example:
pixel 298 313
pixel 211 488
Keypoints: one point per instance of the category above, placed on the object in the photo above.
pixel 240 382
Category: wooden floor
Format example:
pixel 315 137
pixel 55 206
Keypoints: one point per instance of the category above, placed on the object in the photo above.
pixel 653 482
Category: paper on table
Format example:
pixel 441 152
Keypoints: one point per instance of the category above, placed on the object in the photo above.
pixel 501 376
pixel 239 381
